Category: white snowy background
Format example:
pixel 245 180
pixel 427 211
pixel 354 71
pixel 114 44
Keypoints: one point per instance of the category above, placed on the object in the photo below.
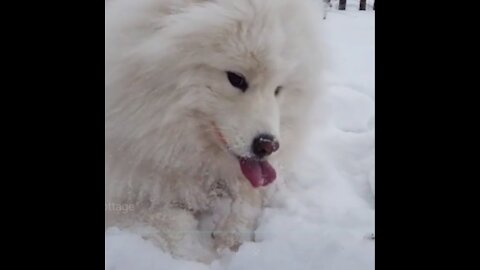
pixel 325 220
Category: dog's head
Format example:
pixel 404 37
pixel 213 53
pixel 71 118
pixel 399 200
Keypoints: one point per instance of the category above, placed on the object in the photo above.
pixel 245 71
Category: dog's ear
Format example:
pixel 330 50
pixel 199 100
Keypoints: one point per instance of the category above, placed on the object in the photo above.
pixel 172 7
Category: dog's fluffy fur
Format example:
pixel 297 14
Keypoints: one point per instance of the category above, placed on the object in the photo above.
pixel 168 99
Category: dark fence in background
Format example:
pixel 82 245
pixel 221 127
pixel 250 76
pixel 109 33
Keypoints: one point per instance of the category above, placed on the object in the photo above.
pixel 342 4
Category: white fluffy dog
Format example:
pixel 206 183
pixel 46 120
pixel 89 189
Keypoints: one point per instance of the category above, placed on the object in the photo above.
pixel 207 103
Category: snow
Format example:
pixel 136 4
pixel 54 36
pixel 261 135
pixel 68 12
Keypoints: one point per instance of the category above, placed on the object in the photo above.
pixel 326 221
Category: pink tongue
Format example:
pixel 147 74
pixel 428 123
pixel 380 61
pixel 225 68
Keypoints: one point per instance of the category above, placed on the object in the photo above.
pixel 259 173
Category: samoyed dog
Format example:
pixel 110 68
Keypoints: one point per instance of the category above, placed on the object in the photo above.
pixel 207 104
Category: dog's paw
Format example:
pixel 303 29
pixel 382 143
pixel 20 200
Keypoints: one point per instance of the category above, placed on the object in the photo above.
pixel 226 241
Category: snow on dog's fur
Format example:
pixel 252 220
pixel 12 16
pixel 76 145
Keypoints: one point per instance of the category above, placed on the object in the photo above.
pixel 189 86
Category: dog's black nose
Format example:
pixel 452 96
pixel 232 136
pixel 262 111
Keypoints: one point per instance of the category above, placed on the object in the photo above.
pixel 264 145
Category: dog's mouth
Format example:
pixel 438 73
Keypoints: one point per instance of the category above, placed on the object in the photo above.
pixel 258 172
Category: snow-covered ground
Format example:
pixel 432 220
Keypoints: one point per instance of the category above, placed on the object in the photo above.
pixel 324 222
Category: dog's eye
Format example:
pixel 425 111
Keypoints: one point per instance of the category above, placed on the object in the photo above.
pixel 237 81
pixel 278 90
